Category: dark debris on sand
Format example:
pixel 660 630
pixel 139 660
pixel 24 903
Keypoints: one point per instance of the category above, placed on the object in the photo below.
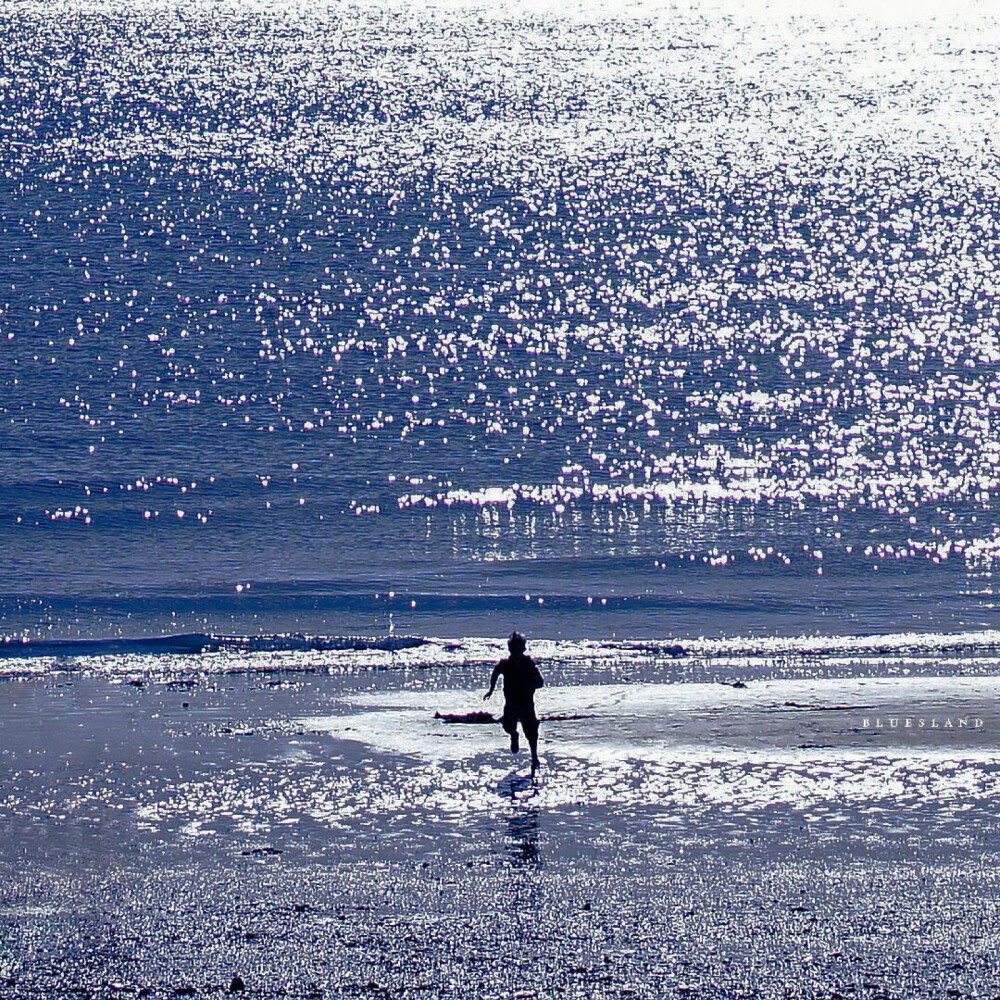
pixel 485 718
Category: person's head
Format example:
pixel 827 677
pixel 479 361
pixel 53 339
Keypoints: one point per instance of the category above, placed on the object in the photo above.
pixel 516 643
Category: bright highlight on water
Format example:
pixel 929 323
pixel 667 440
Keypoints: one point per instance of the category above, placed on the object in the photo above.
pixel 508 314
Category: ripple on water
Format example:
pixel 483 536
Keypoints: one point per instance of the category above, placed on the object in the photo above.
pixel 507 284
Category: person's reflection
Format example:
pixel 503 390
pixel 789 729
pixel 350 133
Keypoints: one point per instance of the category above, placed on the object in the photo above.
pixel 513 783
pixel 521 842
pixel 522 837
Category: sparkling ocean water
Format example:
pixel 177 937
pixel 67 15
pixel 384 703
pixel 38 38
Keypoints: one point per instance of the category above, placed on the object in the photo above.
pixel 639 322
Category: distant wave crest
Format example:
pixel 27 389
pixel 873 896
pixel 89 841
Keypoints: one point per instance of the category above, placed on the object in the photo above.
pixel 741 657
pixel 195 643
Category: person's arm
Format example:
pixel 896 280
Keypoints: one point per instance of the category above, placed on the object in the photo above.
pixel 493 681
pixel 539 680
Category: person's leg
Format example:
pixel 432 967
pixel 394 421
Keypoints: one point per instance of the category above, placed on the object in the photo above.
pixel 509 723
pixel 533 743
pixel 530 726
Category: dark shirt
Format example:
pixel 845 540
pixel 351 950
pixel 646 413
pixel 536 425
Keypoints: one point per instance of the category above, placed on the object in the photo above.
pixel 520 679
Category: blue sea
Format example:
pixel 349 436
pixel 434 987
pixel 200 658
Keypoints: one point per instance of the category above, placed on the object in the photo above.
pixel 331 324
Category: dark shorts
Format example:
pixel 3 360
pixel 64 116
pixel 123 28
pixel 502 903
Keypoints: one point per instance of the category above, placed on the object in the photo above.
pixel 525 714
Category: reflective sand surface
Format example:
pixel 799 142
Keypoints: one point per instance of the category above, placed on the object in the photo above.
pixel 318 835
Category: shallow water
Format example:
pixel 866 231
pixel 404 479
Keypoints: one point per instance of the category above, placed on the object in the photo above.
pixel 363 761
pixel 319 317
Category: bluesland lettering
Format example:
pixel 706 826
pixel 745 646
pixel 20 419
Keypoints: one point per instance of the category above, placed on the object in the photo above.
pixel 921 722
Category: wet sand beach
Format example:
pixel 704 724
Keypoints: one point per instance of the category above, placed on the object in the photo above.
pixel 317 835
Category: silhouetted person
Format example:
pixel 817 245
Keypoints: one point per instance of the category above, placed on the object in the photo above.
pixel 521 680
